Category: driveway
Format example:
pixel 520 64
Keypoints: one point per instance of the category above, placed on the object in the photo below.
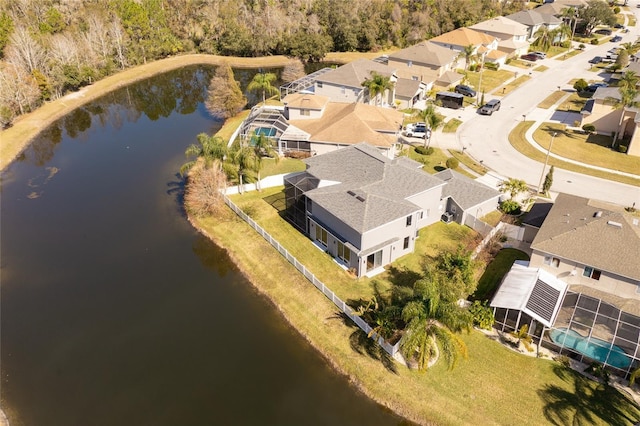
pixel 485 138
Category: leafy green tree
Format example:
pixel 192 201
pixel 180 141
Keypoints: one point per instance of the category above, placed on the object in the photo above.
pixel 208 148
pixel 523 336
pixel 581 85
pixel 262 82
pixel 455 270
pixel 377 85
pixel 622 60
pixel 309 47
pixel 53 22
pixel 432 324
pixel 596 12
pixel 224 96
pixel 513 187
pixel 262 147
pixel 548 181
pixel 482 315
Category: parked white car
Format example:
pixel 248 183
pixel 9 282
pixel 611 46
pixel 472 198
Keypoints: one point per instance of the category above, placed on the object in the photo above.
pixel 417 130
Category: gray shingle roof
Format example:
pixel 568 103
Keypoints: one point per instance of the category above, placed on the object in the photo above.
pixel 370 189
pixel 531 18
pixel 584 231
pixel 355 73
pixel 466 192
pixel 538 213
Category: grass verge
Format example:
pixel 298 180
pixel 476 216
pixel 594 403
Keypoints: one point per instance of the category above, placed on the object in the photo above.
pixel 574 103
pixel 515 84
pixel 552 99
pixel 519 142
pixel 473 393
pixel 490 79
pixel 451 126
pixel 469 162
pixel 579 146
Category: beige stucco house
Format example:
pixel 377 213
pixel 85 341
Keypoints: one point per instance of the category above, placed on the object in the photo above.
pixel 344 84
pixel 457 40
pixel 511 35
pixel 600 111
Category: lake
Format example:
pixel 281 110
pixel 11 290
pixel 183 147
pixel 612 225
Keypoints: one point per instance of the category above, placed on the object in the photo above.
pixel 115 311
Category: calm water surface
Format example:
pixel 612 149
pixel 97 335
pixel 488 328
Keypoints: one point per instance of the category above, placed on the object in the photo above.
pixel 116 312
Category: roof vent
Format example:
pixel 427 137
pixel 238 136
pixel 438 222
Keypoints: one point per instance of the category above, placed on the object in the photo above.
pixel 616 224
pixel 353 194
pixel 362 199
pixel 598 213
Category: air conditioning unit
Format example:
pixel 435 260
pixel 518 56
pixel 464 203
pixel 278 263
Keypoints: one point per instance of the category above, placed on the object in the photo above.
pixel 447 217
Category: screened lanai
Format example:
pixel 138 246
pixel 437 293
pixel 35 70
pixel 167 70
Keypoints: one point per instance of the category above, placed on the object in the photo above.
pixel 305 83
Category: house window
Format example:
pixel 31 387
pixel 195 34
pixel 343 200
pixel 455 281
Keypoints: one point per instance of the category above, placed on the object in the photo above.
pixel 592 273
pixel 374 260
pixel 343 90
pixel 305 112
pixel 406 243
pixel 421 215
pixel 319 84
pixel 414 77
pixel 453 208
pixel 344 253
pixel 552 261
pixel 321 235
pixel 409 220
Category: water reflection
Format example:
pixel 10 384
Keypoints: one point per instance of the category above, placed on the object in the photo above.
pixel 116 312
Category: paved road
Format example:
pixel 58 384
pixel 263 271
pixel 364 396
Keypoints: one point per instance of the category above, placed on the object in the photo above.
pixel 486 138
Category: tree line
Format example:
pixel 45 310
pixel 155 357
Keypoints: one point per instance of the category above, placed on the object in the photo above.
pixel 51 47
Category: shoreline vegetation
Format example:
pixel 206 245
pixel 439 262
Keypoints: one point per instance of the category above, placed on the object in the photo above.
pixel 470 394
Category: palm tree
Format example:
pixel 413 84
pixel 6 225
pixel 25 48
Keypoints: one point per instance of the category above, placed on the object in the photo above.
pixel 559 34
pixel 262 147
pixel 433 120
pixel 629 80
pixel 209 148
pixel 262 83
pixel 432 324
pixel 544 38
pixel 377 85
pixel 244 158
pixel 570 14
pixel 513 186
pixel 469 55
pixel 631 48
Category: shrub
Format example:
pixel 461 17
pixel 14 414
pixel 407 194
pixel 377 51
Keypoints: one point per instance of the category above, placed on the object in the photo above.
pixel 452 163
pixel 492 66
pixel 597 370
pixel 510 207
pixel 564 360
pixel 424 150
pixel 581 85
pixel 299 155
pixel 581 46
pixel 482 315
pixel 622 149
pixel 508 61
pixel 616 10
pixel 594 41
pixel 589 128
pixel 566 44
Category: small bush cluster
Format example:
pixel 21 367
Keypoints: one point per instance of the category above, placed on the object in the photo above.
pixel 589 128
pixel 482 315
pixel 581 85
pixel 298 155
pixel 622 148
pixel 492 66
pixel 510 207
pixel 594 41
pixel 597 370
pixel 564 360
pixel 424 150
pixel 452 163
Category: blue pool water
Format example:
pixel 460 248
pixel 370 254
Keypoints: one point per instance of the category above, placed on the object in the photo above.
pixel 595 348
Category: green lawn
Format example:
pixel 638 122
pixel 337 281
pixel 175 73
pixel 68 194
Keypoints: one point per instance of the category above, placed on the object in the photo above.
pixel 433 163
pixel 498 268
pixel 593 149
pixel 515 83
pixel 284 165
pixel 231 124
pixel 521 63
pixel 492 218
pixel 556 50
pixel 574 103
pixel 519 142
pixel 451 126
pixel 490 79
pixel 469 162
pixel 493 386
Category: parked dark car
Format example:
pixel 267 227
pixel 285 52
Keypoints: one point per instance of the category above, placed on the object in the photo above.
pixel 596 60
pixel 530 57
pixel 450 100
pixel 594 86
pixel 465 90
pixel 616 39
pixel 604 31
pixel 618 26
pixel 490 107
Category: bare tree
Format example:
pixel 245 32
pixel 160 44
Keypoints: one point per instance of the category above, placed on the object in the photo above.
pixel 293 71
pixel 24 52
pixel 204 191
pixel 18 90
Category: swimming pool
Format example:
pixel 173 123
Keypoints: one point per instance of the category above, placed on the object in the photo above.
pixel 594 348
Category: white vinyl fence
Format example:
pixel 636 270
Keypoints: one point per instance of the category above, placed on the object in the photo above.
pixel 390 349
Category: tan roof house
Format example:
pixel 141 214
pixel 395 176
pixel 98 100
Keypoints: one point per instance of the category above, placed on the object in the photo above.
pixel 423 60
pixel 311 123
pixel 557 7
pixel 344 84
pixel 458 40
pixel 601 112
pixel 534 20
